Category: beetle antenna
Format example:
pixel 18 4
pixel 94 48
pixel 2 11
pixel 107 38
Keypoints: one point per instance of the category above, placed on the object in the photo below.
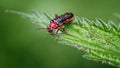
pixel 41 29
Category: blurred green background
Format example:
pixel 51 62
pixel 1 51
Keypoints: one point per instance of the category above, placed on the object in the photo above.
pixel 22 46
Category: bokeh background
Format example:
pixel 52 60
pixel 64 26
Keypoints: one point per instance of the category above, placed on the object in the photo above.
pixel 22 46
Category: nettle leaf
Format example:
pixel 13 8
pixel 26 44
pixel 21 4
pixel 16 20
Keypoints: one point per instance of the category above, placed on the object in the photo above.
pixel 99 40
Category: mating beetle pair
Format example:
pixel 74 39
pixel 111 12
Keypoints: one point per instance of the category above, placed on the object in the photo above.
pixel 58 21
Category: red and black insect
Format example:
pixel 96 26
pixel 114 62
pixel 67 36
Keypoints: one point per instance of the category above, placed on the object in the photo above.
pixel 58 21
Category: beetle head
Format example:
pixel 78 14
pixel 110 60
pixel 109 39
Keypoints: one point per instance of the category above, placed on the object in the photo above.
pixel 49 29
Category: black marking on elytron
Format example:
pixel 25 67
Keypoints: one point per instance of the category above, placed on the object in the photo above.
pixel 62 18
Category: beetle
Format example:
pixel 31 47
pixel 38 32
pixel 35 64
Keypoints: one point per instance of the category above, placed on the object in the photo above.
pixel 58 21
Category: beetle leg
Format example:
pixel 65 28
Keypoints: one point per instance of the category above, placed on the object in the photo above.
pixel 74 23
pixel 62 27
pixel 57 30
pixel 56 16
pixel 41 28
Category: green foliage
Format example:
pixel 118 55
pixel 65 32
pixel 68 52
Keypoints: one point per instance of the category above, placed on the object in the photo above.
pixel 99 40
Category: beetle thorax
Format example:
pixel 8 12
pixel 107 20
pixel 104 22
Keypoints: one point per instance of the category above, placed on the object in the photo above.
pixel 53 24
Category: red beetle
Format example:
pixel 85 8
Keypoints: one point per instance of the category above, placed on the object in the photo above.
pixel 58 21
